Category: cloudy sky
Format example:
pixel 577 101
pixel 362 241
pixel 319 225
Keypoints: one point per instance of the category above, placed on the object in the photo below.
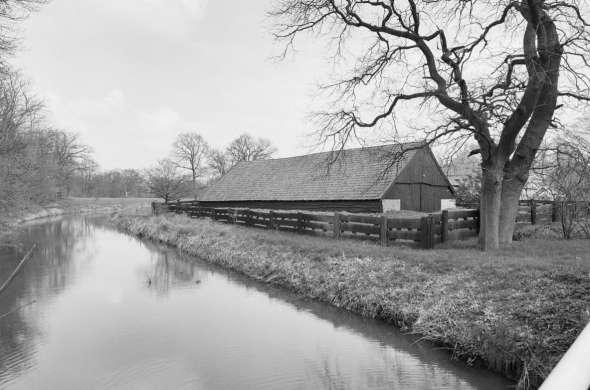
pixel 128 76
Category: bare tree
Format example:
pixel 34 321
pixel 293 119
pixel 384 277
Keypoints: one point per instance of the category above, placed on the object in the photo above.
pixel 248 148
pixel 190 151
pixel 19 140
pixel 11 12
pixel 563 171
pixel 489 70
pixel 218 162
pixel 70 155
pixel 164 181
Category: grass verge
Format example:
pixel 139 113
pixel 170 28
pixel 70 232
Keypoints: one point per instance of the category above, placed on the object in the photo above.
pixel 514 311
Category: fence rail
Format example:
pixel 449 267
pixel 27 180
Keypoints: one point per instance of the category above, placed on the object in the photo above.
pixel 535 211
pixel 426 231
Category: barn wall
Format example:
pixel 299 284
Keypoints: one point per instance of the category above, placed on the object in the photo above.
pixel 408 194
pixel 432 195
pixel 353 206
pixel 421 185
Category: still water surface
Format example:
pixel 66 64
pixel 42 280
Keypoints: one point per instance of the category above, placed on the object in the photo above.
pixel 97 309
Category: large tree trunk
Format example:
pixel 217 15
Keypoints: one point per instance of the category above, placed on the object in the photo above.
pixel 490 205
pixel 511 189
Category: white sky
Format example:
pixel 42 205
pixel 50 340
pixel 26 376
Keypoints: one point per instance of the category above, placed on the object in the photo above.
pixel 129 75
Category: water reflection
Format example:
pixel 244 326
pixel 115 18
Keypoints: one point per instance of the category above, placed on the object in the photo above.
pixel 165 271
pixel 47 273
pixel 111 311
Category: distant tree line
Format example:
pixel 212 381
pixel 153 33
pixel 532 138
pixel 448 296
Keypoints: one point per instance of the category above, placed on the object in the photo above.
pixel 119 183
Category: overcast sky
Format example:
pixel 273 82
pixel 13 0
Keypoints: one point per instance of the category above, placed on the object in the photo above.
pixel 128 76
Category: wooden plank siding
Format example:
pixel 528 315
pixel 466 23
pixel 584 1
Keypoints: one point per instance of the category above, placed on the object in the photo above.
pixel 353 206
pixel 421 185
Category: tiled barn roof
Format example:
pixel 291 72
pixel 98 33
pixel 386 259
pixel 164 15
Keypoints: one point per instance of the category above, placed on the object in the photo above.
pixel 356 174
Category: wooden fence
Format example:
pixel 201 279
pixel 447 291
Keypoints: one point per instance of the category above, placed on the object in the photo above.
pixel 542 211
pixel 428 230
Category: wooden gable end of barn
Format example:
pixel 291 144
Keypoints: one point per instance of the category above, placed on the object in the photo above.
pixel 421 185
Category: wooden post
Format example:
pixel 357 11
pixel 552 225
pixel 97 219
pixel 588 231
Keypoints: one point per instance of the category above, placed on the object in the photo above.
pixel 336 225
pixel 533 212
pixel 427 224
pixel 178 209
pixel 444 226
pixel 383 231
pixel 478 218
pixel 271 219
pixel 554 211
pixel 424 232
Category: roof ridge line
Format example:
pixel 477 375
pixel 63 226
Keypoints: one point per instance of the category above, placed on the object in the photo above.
pixel 334 151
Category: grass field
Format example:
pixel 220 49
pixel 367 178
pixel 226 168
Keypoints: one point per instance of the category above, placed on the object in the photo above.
pixel 515 310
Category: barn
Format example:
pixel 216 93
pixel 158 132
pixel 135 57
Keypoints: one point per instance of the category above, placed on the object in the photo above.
pixel 371 179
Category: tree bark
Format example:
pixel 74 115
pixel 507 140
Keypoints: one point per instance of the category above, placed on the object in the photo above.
pixel 511 190
pixel 490 204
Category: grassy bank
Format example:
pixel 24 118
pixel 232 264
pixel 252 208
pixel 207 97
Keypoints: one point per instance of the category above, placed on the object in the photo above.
pixel 515 311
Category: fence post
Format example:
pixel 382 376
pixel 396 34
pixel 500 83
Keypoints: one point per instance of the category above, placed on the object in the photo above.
pixel 533 212
pixel 554 211
pixel 336 225
pixel 444 226
pixel 427 224
pixel 383 231
pixel 478 218
pixel 271 219
pixel 178 209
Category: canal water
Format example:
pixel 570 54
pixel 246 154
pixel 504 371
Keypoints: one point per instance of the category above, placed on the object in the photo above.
pixel 97 309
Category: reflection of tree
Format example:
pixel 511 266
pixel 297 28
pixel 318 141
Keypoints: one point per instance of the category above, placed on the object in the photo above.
pixel 17 346
pixel 325 377
pixel 47 273
pixel 168 271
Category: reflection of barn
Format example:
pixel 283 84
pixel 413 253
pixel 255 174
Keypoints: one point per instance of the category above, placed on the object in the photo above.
pixel 372 179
